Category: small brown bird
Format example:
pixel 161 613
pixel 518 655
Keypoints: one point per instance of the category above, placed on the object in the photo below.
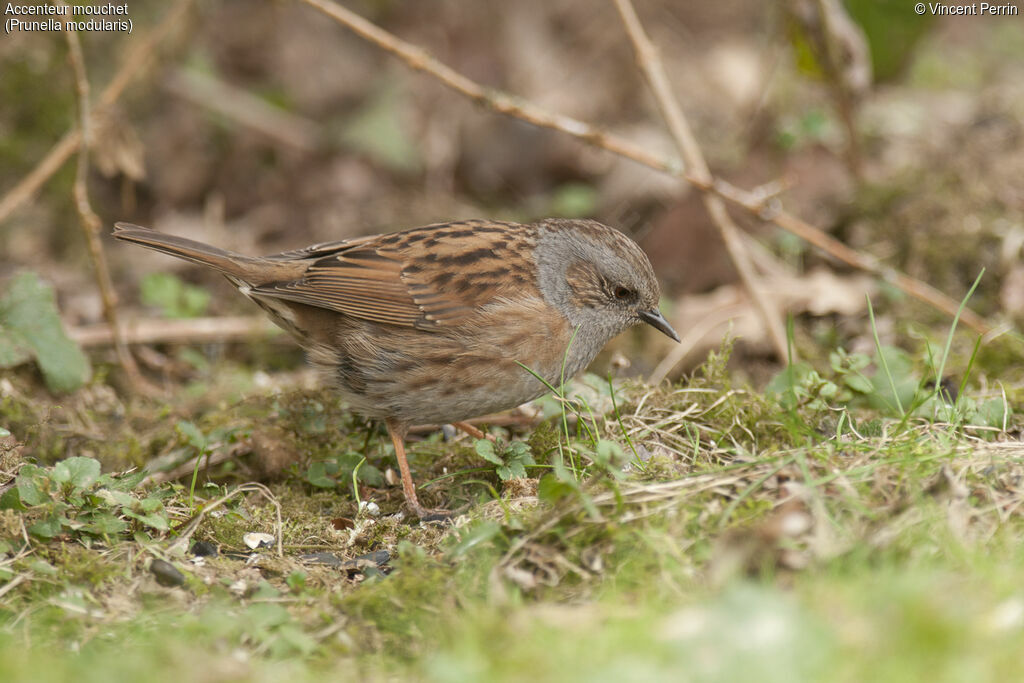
pixel 431 324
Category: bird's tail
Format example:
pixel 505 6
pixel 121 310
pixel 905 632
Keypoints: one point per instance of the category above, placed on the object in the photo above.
pixel 255 271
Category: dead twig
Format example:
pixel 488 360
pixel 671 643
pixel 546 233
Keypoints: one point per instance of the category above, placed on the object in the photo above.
pixel 766 208
pixel 841 50
pixel 90 222
pixel 134 62
pixel 654 71
pixel 192 331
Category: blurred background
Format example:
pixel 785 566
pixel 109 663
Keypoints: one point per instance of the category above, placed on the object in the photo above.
pixel 265 126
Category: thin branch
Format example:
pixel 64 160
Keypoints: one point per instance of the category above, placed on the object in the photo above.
pixel 134 62
pixel 843 55
pixel 89 220
pixel 190 330
pixel 844 98
pixel 30 184
pixel 654 70
pixel 765 207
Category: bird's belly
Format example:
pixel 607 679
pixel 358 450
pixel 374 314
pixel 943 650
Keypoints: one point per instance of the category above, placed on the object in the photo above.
pixel 429 395
pixel 419 377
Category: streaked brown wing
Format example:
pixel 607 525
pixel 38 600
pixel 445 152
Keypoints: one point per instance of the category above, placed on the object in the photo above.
pixel 425 277
pixel 316 251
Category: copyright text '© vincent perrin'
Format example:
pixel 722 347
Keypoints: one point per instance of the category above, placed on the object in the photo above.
pixel 973 9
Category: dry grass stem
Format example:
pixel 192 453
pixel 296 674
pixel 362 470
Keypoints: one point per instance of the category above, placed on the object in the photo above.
pixel 654 70
pixel 837 31
pixel 173 331
pixel 89 220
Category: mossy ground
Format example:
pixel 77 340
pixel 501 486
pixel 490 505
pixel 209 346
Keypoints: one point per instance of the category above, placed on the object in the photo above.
pixel 749 535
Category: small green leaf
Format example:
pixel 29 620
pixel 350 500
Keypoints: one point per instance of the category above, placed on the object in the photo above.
pixel 859 383
pixel 551 489
pixel 516 470
pixel 79 472
pixel 992 413
pixel 317 476
pixel 105 524
pixel 14 350
pixel 11 499
pixel 474 535
pixel 30 325
pixel 370 475
pixel 43 567
pixel 296 581
pixel 47 528
pixel 122 482
pixel 174 298
pixel 193 435
pixel 154 520
pixel 485 449
pixel 115 497
pixel 27 484
pixel 789 377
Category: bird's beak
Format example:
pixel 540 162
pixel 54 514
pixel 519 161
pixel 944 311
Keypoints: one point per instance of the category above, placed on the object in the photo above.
pixel 656 320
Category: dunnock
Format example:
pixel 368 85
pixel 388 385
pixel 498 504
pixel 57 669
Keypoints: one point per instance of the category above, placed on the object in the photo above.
pixel 431 324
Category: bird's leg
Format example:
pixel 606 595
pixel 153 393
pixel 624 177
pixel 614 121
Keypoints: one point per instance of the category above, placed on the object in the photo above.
pixel 473 431
pixel 397 431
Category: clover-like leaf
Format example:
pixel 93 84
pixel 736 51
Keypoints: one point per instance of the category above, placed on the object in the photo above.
pixel 30 326
pixel 485 449
pixel 77 471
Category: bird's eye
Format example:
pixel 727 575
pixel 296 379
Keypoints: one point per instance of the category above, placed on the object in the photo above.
pixel 623 293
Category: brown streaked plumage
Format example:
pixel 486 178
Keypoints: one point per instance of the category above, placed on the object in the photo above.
pixel 430 324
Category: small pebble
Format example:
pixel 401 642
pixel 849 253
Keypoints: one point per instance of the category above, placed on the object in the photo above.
pixel 166 573
pixel 378 557
pixel 329 559
pixel 258 539
pixel 204 549
pixel 369 507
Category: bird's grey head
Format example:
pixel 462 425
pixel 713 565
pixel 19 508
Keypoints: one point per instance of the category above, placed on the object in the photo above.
pixel 599 279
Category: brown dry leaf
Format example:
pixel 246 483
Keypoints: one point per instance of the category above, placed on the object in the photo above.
pixel 116 147
pixel 272 451
pixel 519 488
